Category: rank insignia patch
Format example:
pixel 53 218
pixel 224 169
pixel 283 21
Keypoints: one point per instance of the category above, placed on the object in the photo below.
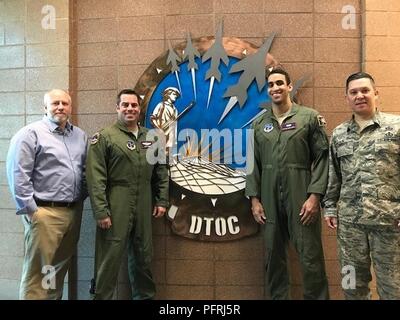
pixel 389 136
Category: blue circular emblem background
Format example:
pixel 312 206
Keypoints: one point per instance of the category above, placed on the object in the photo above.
pixel 200 117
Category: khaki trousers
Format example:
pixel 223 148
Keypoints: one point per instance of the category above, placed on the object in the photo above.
pixel 50 241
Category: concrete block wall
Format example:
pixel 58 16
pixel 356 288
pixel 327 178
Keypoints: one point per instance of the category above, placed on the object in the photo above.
pixel 32 61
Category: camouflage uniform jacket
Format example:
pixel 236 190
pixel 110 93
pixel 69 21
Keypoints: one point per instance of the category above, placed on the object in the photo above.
pixel 364 172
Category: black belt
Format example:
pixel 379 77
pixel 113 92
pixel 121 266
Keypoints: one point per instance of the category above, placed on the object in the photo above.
pixel 42 203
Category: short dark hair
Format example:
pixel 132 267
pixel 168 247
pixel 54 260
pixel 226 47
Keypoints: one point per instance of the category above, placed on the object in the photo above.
pixel 279 71
pixel 128 91
pixel 359 75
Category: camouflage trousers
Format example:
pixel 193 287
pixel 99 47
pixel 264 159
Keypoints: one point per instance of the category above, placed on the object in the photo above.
pixel 361 244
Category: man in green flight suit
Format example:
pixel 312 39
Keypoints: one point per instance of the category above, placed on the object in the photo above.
pixel 286 186
pixel 123 186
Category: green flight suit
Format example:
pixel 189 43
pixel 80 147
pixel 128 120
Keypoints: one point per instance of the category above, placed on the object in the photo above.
pixel 123 185
pixel 290 163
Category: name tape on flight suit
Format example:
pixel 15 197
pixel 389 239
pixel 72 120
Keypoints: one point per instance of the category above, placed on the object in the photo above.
pixel 146 144
pixel 288 126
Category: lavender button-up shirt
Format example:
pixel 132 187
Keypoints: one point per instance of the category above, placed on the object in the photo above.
pixel 45 163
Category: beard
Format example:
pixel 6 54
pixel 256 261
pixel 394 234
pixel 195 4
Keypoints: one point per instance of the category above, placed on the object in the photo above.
pixel 59 118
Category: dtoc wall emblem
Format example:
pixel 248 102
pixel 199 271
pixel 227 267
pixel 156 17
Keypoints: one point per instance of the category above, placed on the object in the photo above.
pixel 204 94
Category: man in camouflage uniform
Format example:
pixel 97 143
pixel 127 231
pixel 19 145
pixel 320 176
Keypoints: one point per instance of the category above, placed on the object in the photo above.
pixel 363 195
pixel 288 180
pixel 122 185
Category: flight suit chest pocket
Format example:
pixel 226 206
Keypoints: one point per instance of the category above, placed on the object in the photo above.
pixel 145 158
pixel 262 136
pixel 294 134
pixel 116 152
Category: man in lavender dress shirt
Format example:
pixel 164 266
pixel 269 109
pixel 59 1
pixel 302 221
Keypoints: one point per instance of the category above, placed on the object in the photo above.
pixel 46 175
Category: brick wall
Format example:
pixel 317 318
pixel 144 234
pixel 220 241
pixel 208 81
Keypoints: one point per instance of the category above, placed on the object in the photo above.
pixel 381 42
pixel 116 42
pixel 380 50
pixel 112 43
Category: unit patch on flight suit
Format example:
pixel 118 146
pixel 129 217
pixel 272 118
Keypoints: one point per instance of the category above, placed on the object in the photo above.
pixel 321 121
pixel 268 127
pixel 95 138
pixel 130 145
